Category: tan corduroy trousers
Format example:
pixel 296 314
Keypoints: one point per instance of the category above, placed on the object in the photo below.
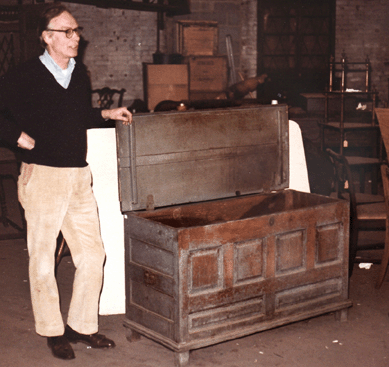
pixel 61 199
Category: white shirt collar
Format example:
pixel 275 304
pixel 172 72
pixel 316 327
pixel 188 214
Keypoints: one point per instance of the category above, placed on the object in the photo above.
pixel 63 77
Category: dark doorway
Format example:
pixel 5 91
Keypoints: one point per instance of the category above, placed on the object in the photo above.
pixel 295 41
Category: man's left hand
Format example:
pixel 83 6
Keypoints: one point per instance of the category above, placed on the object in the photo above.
pixel 121 114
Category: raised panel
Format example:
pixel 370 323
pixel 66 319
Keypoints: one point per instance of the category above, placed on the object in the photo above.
pixel 205 270
pixel 249 260
pixel 149 320
pixel 152 300
pixel 328 240
pixel 253 308
pixel 290 252
pixel 153 257
pixel 153 279
pixel 308 294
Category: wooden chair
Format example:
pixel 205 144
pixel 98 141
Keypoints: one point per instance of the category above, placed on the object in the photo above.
pixel 104 98
pixel 365 215
pixel 349 129
pixel 383 122
pixel 9 172
pixel 385 257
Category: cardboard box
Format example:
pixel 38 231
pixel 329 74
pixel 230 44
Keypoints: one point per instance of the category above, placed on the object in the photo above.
pixel 165 82
pixel 207 73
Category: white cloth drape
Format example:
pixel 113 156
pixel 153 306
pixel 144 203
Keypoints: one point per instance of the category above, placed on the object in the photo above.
pixel 102 159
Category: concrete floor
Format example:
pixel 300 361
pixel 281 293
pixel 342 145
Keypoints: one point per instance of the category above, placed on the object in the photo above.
pixel 363 340
pixel 322 341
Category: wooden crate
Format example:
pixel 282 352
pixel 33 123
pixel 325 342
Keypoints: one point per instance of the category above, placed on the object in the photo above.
pixel 197 37
pixel 207 73
pixel 163 82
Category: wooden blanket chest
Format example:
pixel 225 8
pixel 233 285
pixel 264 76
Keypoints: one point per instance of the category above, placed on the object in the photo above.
pixel 216 247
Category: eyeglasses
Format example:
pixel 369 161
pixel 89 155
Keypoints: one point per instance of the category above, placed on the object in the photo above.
pixel 68 32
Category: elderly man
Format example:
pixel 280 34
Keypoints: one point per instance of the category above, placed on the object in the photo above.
pixel 45 110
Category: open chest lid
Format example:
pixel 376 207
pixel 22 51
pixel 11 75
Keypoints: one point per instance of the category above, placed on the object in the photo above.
pixel 182 157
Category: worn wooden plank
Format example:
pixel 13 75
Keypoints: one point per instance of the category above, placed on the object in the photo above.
pixel 175 158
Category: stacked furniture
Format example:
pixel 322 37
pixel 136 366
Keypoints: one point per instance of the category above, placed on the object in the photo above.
pixel 353 131
pixel 198 42
pixel 201 74
pixel 367 212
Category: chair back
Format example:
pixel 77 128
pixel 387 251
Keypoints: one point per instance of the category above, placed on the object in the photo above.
pixel 105 98
pixel 385 183
pixel 344 185
pixel 343 178
pixel 383 122
pixel 385 256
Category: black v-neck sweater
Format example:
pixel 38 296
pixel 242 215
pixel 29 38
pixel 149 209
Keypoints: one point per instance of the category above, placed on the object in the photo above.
pixel 31 100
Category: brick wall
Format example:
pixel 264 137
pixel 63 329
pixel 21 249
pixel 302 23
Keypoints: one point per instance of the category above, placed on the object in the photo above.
pixel 362 30
pixel 237 18
pixel 119 41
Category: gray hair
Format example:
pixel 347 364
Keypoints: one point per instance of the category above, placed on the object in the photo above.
pixel 48 14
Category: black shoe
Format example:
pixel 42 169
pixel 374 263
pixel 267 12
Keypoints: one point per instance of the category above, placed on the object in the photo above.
pixel 60 347
pixel 94 340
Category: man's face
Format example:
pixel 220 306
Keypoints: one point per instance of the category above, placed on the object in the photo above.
pixel 61 48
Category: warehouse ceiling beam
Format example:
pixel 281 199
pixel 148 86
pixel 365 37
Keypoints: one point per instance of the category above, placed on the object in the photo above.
pixel 170 7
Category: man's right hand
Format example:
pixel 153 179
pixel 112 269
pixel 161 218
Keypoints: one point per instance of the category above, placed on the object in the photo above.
pixel 25 141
